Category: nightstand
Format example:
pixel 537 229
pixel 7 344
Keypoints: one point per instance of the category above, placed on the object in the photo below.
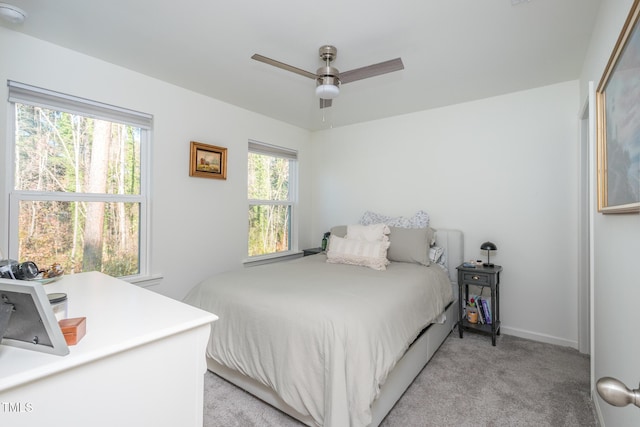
pixel 483 277
pixel 312 251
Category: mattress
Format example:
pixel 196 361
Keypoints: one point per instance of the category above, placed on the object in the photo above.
pixel 323 336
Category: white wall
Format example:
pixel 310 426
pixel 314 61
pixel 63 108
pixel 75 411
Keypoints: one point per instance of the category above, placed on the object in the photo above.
pixel 617 246
pixel 198 225
pixel 502 169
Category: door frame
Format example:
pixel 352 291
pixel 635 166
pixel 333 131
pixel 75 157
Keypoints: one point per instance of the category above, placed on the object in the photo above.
pixel 586 210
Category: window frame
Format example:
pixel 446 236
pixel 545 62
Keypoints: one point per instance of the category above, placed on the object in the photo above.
pixel 292 200
pixel 44 98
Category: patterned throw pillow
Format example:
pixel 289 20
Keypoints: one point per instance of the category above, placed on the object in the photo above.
pixel 419 220
pixel 435 254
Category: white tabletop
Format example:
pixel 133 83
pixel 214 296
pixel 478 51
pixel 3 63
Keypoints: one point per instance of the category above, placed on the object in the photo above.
pixel 119 316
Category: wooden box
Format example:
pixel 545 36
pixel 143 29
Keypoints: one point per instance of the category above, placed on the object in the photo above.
pixel 73 329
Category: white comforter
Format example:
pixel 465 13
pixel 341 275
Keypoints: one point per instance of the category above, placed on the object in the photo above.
pixel 323 336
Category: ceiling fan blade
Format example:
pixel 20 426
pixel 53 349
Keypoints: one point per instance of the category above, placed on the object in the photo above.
pixel 371 70
pixel 284 66
pixel 325 103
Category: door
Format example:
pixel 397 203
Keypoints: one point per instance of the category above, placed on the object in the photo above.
pixel 615 298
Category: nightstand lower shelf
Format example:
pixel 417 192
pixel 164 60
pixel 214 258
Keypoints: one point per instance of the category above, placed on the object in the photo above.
pixel 480 329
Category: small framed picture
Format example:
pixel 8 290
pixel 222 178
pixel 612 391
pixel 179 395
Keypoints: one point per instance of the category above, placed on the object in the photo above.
pixel 208 161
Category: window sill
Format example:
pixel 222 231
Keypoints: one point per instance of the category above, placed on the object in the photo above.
pixel 144 281
pixel 268 259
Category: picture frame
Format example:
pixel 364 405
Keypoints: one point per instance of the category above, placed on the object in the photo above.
pixel 27 319
pixel 618 123
pixel 208 161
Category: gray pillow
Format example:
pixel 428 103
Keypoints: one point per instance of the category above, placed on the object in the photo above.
pixel 410 245
pixel 339 230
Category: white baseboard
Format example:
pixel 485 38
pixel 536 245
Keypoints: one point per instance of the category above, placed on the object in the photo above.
pixel 596 405
pixel 538 337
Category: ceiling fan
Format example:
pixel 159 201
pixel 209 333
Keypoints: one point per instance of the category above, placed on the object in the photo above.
pixel 328 79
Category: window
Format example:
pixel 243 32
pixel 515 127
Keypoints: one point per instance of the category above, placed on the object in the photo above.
pixel 272 178
pixel 79 191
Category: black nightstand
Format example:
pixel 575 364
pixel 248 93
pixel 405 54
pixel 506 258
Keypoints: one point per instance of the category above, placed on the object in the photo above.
pixel 483 277
pixel 312 251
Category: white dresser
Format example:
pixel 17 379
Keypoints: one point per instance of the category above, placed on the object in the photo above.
pixel 141 362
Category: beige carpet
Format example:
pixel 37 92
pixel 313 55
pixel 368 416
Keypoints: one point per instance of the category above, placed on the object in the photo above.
pixel 467 383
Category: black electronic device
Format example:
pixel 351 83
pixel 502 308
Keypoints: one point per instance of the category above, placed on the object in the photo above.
pixel 12 269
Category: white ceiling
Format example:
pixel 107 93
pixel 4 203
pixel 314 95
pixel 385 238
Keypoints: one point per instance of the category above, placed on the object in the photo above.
pixel 453 50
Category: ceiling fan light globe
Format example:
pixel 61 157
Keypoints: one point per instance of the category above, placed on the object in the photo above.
pixel 325 91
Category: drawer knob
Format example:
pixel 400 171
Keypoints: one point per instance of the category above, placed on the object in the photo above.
pixel 475 277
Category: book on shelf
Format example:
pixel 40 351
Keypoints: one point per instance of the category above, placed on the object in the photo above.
pixel 486 306
pixel 481 316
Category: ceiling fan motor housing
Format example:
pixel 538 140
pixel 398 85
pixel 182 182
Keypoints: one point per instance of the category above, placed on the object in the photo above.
pixel 328 75
pixel 328 80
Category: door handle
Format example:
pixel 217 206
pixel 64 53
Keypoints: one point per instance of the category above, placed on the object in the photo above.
pixel 615 393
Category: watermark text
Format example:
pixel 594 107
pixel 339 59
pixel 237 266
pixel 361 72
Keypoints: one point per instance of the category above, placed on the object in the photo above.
pixel 15 407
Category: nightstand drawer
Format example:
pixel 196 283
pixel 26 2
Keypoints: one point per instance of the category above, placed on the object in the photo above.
pixel 470 278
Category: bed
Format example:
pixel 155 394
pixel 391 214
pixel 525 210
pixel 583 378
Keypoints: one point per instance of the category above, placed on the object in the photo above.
pixel 329 343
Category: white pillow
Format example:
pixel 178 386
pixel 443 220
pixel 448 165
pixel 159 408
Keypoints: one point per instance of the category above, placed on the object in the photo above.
pixel 358 252
pixel 369 233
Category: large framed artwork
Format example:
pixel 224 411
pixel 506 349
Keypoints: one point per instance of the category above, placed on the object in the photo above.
pixel 618 123
pixel 208 161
